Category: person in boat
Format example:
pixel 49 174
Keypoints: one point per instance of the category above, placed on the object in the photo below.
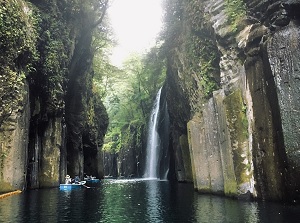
pixel 68 180
pixel 76 179
pixel 86 177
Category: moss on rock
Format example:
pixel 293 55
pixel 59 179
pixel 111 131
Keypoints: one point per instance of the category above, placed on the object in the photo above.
pixel 238 130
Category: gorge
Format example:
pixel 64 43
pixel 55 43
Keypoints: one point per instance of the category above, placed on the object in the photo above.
pixel 229 106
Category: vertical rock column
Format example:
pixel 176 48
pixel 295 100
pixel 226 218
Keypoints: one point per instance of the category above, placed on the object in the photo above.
pixel 230 183
pixel 183 159
pixel 205 151
pixel 13 147
pixel 283 53
pixel 49 174
pixel 237 124
pixel 267 155
pixel 211 146
pixel 200 170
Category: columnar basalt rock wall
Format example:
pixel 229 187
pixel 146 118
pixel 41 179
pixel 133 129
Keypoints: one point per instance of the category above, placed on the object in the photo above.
pixel 265 134
pixel 183 159
pixel 270 51
pixel 283 50
pixel 229 177
pixel 49 174
pixel 13 144
pixel 14 93
pixel 243 136
pixel 53 124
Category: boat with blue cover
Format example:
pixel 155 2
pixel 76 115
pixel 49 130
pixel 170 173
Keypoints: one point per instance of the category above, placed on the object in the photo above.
pixel 72 184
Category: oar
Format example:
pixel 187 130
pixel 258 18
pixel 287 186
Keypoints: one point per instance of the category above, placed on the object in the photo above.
pixel 85 186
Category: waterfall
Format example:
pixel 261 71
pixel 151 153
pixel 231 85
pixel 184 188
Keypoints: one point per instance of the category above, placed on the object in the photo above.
pixel 153 142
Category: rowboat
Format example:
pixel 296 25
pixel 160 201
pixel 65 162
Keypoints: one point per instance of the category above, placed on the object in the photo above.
pixel 72 185
pixel 94 180
pixel 91 179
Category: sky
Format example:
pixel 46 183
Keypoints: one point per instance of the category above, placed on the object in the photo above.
pixel 136 24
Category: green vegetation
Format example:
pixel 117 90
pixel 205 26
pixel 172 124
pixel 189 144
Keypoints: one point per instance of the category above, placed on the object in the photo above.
pixel 129 94
pixel 230 188
pixel 17 46
pixel 238 128
pixel 204 63
pixel 235 10
pixel 46 47
pixel 202 49
pixel 17 32
pixel 188 37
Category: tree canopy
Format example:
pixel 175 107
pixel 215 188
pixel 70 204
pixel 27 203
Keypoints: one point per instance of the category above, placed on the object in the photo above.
pixel 128 94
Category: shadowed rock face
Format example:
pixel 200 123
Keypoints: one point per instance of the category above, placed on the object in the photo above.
pixel 243 138
pixel 283 51
pixel 273 80
pixel 55 124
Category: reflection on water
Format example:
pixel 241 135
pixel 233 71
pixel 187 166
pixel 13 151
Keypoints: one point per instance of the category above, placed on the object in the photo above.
pixel 123 200
pixel 138 201
pixel 217 209
pixel 154 205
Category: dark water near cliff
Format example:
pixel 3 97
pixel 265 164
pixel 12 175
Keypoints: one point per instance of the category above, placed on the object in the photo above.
pixel 138 201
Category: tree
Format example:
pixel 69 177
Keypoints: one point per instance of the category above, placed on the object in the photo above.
pixel 130 93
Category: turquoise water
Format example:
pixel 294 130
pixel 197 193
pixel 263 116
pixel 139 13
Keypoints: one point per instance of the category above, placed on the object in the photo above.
pixel 138 201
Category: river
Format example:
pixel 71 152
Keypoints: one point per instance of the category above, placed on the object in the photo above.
pixel 138 201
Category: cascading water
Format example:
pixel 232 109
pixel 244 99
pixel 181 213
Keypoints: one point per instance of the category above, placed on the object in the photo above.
pixel 153 141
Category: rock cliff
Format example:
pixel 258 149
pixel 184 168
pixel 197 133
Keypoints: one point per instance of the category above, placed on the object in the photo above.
pixel 233 86
pixel 51 122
